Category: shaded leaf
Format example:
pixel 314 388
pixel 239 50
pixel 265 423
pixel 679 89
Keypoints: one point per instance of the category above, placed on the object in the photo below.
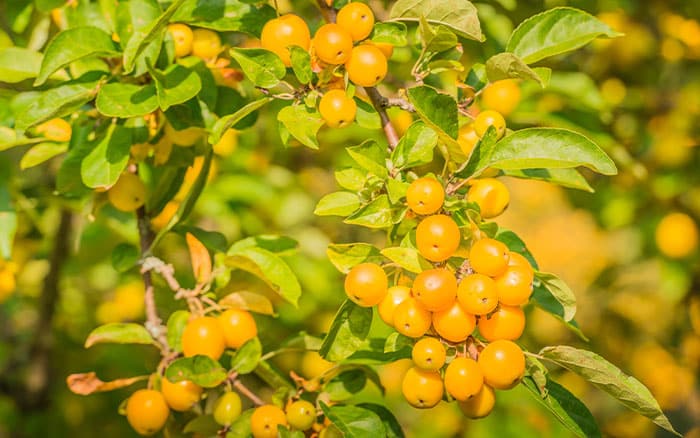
pixel 348 331
pixel 176 325
pixel 268 267
pixel 570 178
pixel 202 370
pixel 225 123
pixel 41 153
pixel 346 255
pixel 354 421
pixel 262 67
pixel 246 359
pixel 507 65
pixel 302 123
pixel 18 64
pixel 119 333
pixel 407 258
pixel 337 204
pixel 459 15
pixel 126 100
pixel 108 158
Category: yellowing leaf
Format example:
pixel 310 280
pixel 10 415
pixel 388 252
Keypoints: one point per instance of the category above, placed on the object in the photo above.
pixel 201 261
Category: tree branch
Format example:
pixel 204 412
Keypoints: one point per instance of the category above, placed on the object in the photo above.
pixel 153 322
pixel 379 103
pixel 329 13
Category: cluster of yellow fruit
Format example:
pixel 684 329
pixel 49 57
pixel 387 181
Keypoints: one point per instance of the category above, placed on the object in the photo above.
pixel 486 293
pixel 8 281
pixel 147 410
pixel 334 44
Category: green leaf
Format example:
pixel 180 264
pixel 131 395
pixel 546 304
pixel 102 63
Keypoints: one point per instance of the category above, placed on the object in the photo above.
pixel 204 425
pixel 72 45
pixel 9 138
pixel 555 31
pixel 565 407
pixel 346 384
pixel 247 357
pixel 415 147
pixel 225 123
pixel 124 257
pixel 202 370
pixel 507 65
pixel 606 376
pixel 226 15
pixel 543 298
pixel 142 38
pixel 41 153
pixel 337 204
pixel 396 189
pixel 351 178
pixel 176 325
pixel 241 426
pixel 561 292
pixel 268 267
pixel 108 159
pixel 280 245
pixel 126 100
pixel 18 64
pixel 371 157
pixel 366 116
pixel 407 258
pixel 119 333
pixel 459 15
pixel 301 64
pixel 376 214
pixel 348 332
pixel 435 39
pixel 176 85
pixel 398 342
pixel 391 424
pixel 346 255
pixel 570 178
pixel 8 219
pixel 437 110
pixel 580 88
pixel 262 67
pixel 394 33
pixel 56 102
pixel 354 421
pixel 302 123
pixel 539 148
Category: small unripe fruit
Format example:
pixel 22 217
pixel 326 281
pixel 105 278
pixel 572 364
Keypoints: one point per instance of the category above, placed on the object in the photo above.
pixel 228 408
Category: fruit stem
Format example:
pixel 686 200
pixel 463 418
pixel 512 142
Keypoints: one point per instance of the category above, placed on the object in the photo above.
pixel 329 13
pixel 233 378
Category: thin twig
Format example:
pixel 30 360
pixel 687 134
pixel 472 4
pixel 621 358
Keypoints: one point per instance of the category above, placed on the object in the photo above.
pixel 378 103
pixel 233 378
pixel 153 322
pixel 399 102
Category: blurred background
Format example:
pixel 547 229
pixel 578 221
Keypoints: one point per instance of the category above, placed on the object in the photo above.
pixel 629 250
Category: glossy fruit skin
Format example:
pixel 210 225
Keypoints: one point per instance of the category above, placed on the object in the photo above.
pixel 301 415
pixel 367 65
pixel 489 118
pixel 206 44
pixel 677 235
pixel 453 323
pixel 422 389
pixel 366 284
pixel 429 354
pixel 228 408
pixel 55 130
pixel 147 411
pixel 395 295
pixel 463 378
pixel 514 286
pixel 503 364
pixel 477 294
pixel 480 405
pixel 128 193
pixel 435 289
pixel 203 335
pixel 337 109
pixel 332 44
pixel 489 257
pixel 411 318
pixel 491 195
pixel 517 259
pixel 356 18
pixel 425 196
pixel 280 33
pixel 182 395
pixel 507 322
pixel 501 96
pixel 437 237
pixel 265 419
pixel 386 48
pixel 467 138
pixel 182 37
pixel 238 326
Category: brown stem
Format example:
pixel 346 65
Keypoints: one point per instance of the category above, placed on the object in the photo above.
pixel 233 378
pixel 153 322
pixel 329 13
pixel 379 104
